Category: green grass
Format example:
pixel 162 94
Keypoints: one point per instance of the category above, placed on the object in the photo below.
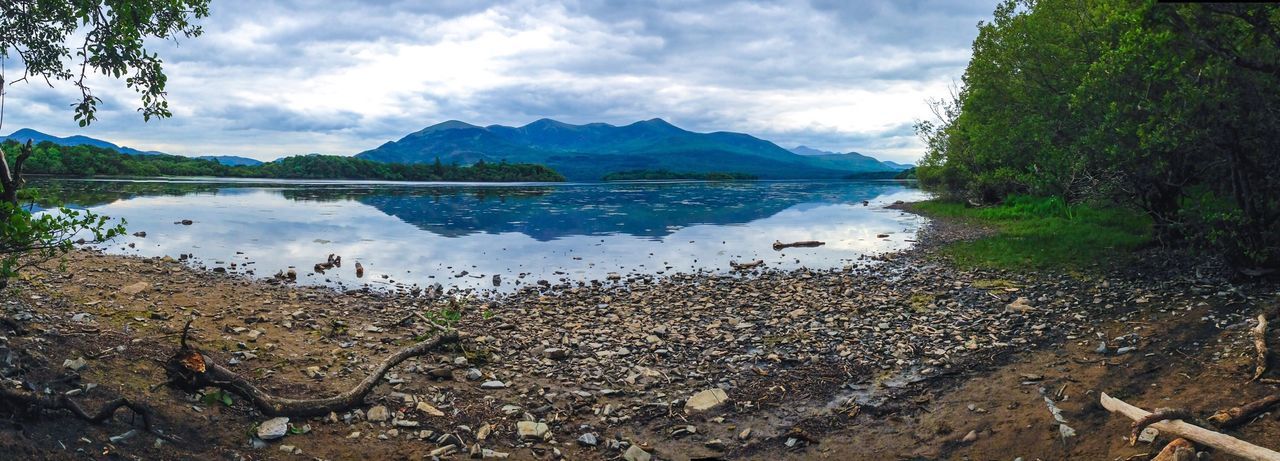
pixel 1045 233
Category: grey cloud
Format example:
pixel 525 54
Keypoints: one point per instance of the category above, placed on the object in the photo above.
pixel 705 65
pixel 275 118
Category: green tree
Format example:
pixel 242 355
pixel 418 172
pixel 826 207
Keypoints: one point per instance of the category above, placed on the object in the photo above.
pixel 66 41
pixel 1165 107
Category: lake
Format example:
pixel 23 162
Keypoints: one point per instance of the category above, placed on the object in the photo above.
pixel 461 235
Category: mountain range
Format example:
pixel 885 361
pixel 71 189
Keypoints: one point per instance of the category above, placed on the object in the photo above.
pixel 588 152
pixel 585 152
pixel 27 134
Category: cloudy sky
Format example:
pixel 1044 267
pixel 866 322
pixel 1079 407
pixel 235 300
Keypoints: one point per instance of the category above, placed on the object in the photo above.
pixel 282 77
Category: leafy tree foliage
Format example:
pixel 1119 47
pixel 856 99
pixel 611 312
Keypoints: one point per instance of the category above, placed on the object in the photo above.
pixel 1171 108
pixel 59 40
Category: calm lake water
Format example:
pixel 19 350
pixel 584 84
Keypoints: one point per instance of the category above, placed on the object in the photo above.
pixel 407 234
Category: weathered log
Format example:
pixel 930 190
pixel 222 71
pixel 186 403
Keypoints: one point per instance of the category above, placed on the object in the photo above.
pixel 191 370
pixel 1222 442
pixel 1179 449
pixel 777 245
pixel 1260 343
pixel 1242 414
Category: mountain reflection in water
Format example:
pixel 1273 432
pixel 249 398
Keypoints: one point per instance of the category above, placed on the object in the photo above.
pixel 427 233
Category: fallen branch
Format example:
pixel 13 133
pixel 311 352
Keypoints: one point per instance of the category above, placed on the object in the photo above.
pixel 746 265
pixel 62 402
pixel 1242 414
pixel 777 245
pixel 1161 414
pixel 191 370
pixel 1260 342
pixel 1225 443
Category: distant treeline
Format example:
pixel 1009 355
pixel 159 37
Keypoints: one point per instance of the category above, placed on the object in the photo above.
pixel 909 173
pixel 636 175
pixel 86 161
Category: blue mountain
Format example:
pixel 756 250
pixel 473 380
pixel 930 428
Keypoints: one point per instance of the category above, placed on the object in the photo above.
pixel 231 160
pixel 590 151
pixel 25 134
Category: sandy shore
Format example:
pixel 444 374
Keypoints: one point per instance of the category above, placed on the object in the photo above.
pixel 898 357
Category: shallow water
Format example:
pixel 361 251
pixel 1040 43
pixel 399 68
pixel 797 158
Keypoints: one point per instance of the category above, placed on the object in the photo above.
pixel 408 234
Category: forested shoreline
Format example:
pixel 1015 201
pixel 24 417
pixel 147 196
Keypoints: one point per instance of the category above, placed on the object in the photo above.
pixel 1165 108
pixel 88 161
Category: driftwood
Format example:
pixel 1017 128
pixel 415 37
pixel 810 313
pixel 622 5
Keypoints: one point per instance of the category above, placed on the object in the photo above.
pixel 1161 414
pixel 62 402
pixel 777 245
pixel 1260 342
pixel 1179 449
pixel 746 265
pixel 1242 414
pixel 1221 442
pixel 191 370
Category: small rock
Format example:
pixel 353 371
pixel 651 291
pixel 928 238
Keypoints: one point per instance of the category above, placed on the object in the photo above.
pixel 555 353
pixel 474 374
pixel 273 428
pixel 428 409
pixel 135 288
pixel 1022 304
pixel 971 436
pixel 1148 435
pixel 287 448
pixel 706 400
pixel 529 430
pixel 493 384
pixel 588 440
pixel 75 364
pixel 1125 350
pixel 635 453
pixel 378 414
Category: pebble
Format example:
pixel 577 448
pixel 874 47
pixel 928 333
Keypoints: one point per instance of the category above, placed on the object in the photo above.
pixel 529 430
pixel 428 409
pixel 635 453
pixel 76 364
pixel 273 428
pixel 588 440
pixel 709 399
pixel 494 384
pixel 378 414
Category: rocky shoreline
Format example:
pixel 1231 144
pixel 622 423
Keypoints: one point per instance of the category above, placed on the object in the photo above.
pixel 761 365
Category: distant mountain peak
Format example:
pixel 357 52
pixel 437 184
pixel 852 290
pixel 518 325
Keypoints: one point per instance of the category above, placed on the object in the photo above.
pixel 806 150
pixel 448 125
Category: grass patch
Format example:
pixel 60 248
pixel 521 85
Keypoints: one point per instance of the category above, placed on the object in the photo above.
pixel 1045 233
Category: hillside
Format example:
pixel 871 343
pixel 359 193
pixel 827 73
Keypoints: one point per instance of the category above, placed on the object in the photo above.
pixel 231 160
pixel 591 151
pixel 26 134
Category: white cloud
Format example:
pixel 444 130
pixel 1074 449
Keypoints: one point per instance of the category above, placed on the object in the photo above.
pixel 289 77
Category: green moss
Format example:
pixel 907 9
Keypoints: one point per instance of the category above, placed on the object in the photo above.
pixel 920 302
pixel 1045 233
